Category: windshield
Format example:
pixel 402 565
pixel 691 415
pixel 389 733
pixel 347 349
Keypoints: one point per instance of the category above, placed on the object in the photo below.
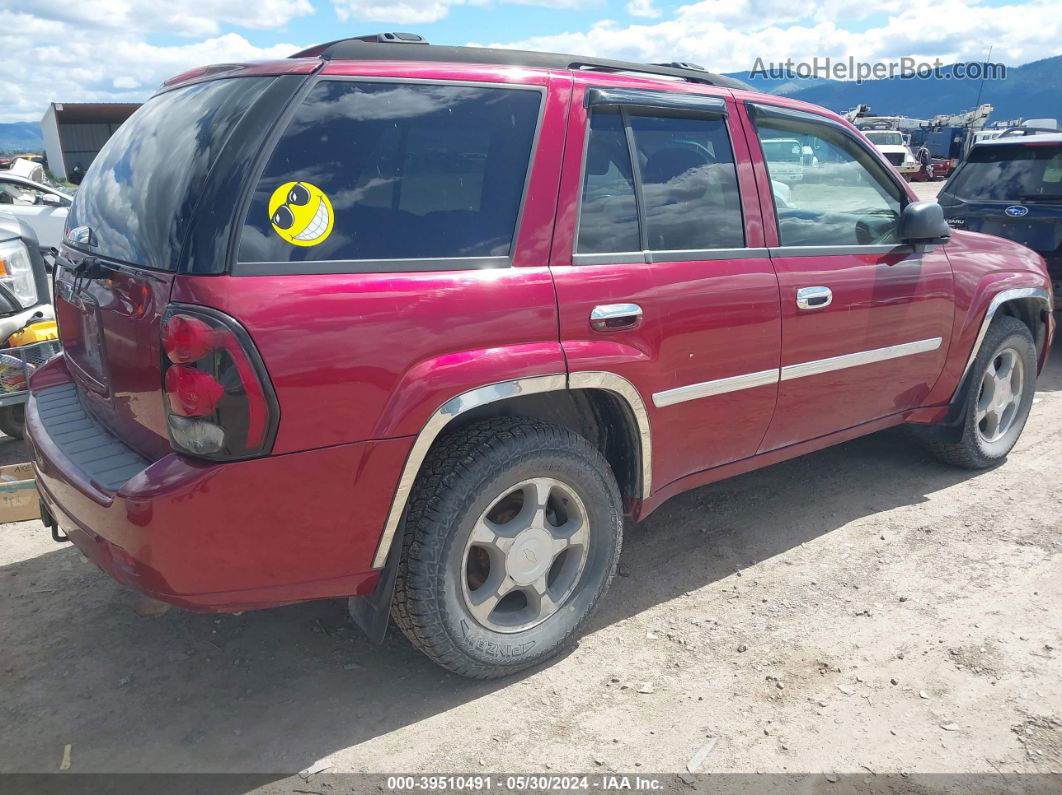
pixel 1015 172
pixel 885 138
pixel 140 192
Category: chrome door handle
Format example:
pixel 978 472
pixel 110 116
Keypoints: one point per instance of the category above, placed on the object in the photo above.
pixel 814 297
pixel 615 317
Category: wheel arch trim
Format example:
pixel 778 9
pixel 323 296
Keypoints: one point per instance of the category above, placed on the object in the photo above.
pixel 502 390
pixel 998 300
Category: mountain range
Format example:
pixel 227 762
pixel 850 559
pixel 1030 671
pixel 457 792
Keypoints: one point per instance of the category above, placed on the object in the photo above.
pixel 21 136
pixel 1030 91
pixel 1033 90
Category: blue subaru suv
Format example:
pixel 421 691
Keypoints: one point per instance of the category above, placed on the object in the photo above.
pixel 1012 188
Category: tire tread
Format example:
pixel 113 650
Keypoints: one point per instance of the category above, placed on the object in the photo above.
pixel 444 488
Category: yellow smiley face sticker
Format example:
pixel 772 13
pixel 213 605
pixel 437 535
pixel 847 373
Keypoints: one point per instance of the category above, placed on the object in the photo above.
pixel 301 213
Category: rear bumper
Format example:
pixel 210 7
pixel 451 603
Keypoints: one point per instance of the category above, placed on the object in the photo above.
pixel 224 537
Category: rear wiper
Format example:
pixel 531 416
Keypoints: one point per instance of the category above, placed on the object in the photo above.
pixel 1042 197
pixel 86 269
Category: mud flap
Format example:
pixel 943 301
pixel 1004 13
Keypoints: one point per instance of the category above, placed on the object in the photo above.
pixel 49 521
pixel 373 612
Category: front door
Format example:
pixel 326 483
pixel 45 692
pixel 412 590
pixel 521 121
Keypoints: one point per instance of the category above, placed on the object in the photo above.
pixel 866 321
pixel 661 272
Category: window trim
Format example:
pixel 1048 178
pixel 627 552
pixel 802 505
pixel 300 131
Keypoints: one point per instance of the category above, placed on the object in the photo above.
pixel 647 255
pixel 388 265
pixel 757 110
pixel 655 100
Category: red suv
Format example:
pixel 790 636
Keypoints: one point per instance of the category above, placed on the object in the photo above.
pixel 421 325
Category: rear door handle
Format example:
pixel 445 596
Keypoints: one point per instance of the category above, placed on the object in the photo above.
pixel 615 317
pixel 814 297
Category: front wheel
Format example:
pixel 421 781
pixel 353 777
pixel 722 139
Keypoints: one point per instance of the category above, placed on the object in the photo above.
pixel 998 400
pixel 511 538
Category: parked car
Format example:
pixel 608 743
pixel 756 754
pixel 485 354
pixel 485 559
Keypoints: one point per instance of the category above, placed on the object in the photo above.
pixel 421 325
pixel 1012 187
pixel 27 327
pixel 787 159
pixel 43 208
pixel 892 144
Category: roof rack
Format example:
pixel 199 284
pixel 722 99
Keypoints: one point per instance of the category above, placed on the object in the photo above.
pixel 394 47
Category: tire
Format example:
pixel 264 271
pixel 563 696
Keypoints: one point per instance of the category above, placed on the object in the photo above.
pixel 13 420
pixel 978 447
pixel 480 477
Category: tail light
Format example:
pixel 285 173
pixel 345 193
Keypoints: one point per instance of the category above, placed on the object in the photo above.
pixel 219 402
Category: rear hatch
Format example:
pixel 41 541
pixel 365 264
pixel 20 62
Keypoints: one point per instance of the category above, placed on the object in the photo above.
pixel 1011 190
pixel 128 234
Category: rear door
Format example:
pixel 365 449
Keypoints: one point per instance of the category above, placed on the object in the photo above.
pixel 865 319
pixel 659 231
pixel 131 218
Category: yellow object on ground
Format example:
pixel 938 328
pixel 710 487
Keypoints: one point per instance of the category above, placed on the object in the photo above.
pixel 35 332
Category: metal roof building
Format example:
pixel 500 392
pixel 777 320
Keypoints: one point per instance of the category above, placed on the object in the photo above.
pixel 74 133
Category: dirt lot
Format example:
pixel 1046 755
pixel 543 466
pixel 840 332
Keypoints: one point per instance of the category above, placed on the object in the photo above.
pixel 862 610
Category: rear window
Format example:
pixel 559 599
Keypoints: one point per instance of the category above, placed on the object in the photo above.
pixel 140 192
pixel 394 171
pixel 1018 172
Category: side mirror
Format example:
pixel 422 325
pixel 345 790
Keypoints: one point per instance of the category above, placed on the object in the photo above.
pixel 923 222
pixel 52 200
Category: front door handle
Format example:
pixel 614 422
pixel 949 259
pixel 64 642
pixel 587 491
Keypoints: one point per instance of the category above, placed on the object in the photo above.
pixel 814 297
pixel 615 317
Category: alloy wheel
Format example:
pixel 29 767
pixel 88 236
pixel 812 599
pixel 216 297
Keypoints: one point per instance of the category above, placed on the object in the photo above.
pixel 999 398
pixel 525 555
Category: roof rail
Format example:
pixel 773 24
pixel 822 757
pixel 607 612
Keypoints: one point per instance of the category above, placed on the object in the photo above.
pixel 381 47
pixel 682 65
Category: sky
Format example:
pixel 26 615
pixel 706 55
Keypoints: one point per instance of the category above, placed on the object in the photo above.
pixel 121 50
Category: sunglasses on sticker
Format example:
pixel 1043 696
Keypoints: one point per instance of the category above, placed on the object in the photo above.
pixel 298 196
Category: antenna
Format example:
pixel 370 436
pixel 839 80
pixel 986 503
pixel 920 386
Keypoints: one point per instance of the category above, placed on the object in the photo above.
pixel 981 85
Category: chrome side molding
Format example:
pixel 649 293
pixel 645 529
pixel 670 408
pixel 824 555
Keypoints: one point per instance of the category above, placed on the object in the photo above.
pixel 735 383
pixel 491 393
pixel 720 386
pixel 819 366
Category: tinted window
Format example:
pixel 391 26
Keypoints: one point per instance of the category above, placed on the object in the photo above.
pixel 608 218
pixel 689 191
pixel 141 190
pixel 371 170
pixel 1010 172
pixel 689 183
pixel 828 190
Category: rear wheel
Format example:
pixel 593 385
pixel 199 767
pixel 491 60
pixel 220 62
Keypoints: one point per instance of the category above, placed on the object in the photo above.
pixel 998 400
pixel 13 420
pixel 511 537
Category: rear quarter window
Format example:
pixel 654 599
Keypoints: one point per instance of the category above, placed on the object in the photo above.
pixel 142 190
pixel 368 173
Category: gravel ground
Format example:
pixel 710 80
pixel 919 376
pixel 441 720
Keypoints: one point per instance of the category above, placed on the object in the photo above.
pixel 862 610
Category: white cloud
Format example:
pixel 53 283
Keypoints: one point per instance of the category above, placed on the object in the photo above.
pixel 98 50
pixel 47 60
pixel 642 8
pixel 729 36
pixel 182 17
pixel 404 13
pixel 408 12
